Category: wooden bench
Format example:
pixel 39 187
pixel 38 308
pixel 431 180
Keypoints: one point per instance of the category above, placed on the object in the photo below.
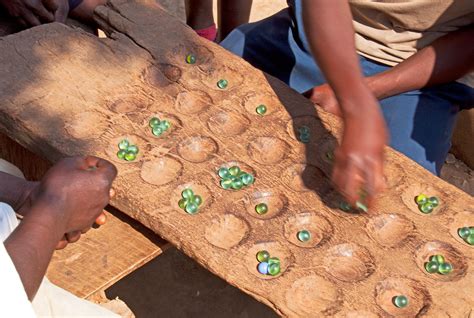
pixel 104 255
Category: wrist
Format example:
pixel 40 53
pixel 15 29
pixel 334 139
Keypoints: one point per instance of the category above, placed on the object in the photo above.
pixel 380 85
pixel 49 217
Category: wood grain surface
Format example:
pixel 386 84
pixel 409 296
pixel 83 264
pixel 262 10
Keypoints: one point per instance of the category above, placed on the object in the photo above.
pixel 65 92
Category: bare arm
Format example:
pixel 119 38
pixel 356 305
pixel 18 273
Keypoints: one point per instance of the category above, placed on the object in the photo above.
pixel 359 158
pixel 445 60
pixel 13 190
pixel 68 199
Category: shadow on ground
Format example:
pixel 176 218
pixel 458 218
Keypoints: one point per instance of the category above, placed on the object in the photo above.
pixel 175 286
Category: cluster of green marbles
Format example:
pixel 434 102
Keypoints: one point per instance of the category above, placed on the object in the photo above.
pixel 467 234
pixel 127 151
pixel 222 84
pixel 400 301
pixel 268 265
pixel 437 264
pixel 426 204
pixel 189 201
pixel 303 236
pixel 261 109
pixel 190 59
pixel 158 127
pixel 261 208
pixel 304 134
pixel 234 178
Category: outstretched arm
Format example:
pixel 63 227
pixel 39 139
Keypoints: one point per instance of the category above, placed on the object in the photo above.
pixel 359 158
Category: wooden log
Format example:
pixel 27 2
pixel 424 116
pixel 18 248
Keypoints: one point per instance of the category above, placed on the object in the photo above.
pixel 65 92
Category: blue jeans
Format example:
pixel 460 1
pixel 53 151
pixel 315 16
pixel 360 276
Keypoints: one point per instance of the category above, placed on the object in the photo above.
pixel 420 122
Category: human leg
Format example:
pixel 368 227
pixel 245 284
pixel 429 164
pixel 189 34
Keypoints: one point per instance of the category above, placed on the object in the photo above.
pixel 232 14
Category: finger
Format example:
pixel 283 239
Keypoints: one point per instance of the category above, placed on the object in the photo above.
pixel 349 180
pixel 101 219
pixel 375 181
pixel 62 244
pixel 102 165
pixel 42 13
pixel 22 22
pixel 73 237
pixel 62 12
pixel 31 19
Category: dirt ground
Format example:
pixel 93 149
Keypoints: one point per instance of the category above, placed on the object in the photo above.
pixel 173 285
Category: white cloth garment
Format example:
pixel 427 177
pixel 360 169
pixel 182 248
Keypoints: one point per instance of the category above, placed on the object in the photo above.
pixel 13 299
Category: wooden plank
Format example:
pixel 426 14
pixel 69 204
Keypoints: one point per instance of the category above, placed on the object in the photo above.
pixel 71 93
pixel 104 255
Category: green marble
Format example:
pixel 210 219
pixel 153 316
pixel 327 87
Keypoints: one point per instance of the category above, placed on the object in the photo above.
pixel 223 173
pixel 263 256
pixel 165 125
pixel 421 199
pixel 344 206
pixel 438 259
pixel 274 269
pixel 261 208
pixel 303 236
pixel 154 121
pixel 124 144
pixel 197 200
pixel 182 203
pixel 400 301
pixel 237 184
pixel 362 206
pixel 426 208
pixel 187 193
pixel 191 208
pixel 234 171
pixel 157 131
pixel 226 184
pixel 121 154
pixel 222 84
pixel 133 149
pixel 464 232
pixel 190 59
pixel 247 179
pixel 261 109
pixel 273 260
pixel 304 130
pixel 445 268
pixel 431 267
pixel 434 201
pixel 130 156
pixel 470 239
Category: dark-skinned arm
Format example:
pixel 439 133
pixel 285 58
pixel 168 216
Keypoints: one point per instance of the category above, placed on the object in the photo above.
pixel 445 60
pixel 14 190
pixel 359 158
pixel 70 197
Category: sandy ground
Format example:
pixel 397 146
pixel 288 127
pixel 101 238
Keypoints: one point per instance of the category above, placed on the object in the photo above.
pixel 173 285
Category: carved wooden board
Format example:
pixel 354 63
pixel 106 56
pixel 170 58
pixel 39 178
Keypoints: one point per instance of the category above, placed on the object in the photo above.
pixel 65 92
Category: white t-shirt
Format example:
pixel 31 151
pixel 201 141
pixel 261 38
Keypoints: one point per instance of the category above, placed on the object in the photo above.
pixel 13 299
